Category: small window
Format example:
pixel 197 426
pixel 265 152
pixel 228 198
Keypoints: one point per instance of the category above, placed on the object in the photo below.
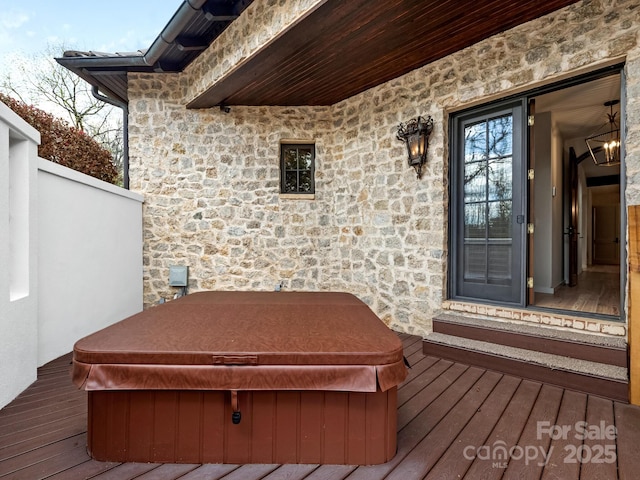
pixel 297 165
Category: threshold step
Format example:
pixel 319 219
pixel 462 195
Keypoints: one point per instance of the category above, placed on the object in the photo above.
pixel 586 346
pixel 596 378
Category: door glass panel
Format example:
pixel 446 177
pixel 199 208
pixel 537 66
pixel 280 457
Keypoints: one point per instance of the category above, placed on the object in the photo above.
pixel 500 179
pixel 499 261
pixel 475 140
pixel 499 220
pixel 475 223
pixel 500 136
pixel 487 201
pixel 475 264
pixel 475 182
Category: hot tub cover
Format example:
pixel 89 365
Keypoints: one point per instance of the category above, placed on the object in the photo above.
pixel 244 341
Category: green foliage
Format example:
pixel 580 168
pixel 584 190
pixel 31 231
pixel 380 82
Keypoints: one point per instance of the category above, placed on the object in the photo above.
pixel 64 144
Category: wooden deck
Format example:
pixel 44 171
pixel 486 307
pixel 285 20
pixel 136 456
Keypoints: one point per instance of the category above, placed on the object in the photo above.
pixel 454 421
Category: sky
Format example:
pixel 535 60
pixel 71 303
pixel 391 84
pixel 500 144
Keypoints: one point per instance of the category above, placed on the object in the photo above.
pixel 28 26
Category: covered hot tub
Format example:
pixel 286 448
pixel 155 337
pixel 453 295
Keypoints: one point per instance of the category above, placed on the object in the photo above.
pixel 243 377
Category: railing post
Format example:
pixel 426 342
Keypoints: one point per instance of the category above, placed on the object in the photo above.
pixel 634 304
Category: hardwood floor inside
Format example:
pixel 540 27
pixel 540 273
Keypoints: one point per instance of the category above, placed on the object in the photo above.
pixel 598 291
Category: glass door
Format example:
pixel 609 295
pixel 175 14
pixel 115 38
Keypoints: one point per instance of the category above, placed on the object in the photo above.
pixel 488 219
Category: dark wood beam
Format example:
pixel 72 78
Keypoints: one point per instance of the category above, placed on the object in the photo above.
pixel 603 180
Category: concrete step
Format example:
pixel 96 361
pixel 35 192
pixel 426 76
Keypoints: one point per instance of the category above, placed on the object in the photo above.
pixel 589 363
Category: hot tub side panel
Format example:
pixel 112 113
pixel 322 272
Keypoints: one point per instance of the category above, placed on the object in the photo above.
pixel 353 428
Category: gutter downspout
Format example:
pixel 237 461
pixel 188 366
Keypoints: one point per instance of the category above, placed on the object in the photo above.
pixel 125 133
pixel 180 19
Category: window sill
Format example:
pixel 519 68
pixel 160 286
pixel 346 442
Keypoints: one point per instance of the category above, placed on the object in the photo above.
pixel 297 196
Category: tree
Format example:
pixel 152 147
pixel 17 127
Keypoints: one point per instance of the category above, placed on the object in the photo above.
pixel 64 144
pixel 39 80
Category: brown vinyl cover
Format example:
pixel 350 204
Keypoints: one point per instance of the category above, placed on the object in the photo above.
pixel 244 341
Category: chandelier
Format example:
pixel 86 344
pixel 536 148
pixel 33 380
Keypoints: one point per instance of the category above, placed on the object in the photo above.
pixel 604 145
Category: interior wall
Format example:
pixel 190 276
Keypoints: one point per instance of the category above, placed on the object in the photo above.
pixel 548 237
pixel 557 224
pixel 543 205
pixel 583 221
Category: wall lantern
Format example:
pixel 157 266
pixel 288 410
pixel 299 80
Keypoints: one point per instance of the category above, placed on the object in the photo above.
pixel 604 145
pixel 415 133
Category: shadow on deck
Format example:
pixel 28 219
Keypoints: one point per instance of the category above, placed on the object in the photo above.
pixel 454 421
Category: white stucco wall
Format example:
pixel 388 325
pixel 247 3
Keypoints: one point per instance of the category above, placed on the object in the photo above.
pixel 90 267
pixel 18 258
pixel 71 256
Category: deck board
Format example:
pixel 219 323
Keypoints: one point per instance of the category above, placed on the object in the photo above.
pixel 628 434
pixel 506 431
pixel 421 375
pixel 168 471
pixel 443 408
pixel 427 453
pixel 331 472
pixel 597 442
pixel 572 410
pixel 456 460
pixel 127 471
pixel 88 469
pixel 209 472
pixel 416 404
pixel 520 464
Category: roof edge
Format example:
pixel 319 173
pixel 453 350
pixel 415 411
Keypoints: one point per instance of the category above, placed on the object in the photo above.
pixel 78 62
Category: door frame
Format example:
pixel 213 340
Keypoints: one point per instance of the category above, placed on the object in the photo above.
pixel 615 69
pixel 457 121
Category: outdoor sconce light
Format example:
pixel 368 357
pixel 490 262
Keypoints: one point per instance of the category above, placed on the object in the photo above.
pixel 415 133
pixel 607 140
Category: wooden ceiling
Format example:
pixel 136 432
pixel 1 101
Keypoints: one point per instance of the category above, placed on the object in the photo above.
pixel 343 47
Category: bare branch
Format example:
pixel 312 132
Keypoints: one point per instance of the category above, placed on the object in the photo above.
pixel 39 80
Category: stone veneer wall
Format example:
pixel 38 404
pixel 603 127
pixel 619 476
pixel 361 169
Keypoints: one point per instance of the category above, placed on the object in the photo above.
pixel 211 180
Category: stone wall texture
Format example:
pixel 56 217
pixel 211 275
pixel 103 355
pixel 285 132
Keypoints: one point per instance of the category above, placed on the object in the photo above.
pixel 211 180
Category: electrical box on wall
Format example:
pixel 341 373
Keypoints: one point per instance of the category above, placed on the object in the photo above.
pixel 178 275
